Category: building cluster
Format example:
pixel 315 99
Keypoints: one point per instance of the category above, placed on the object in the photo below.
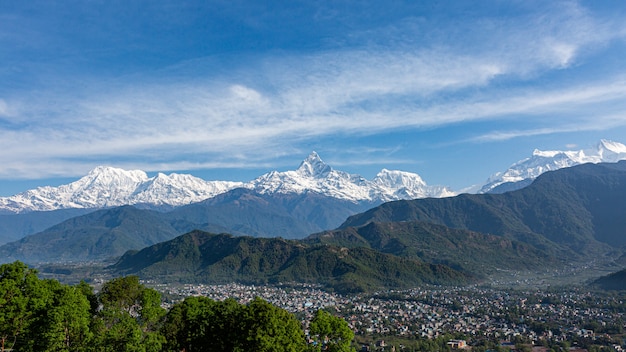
pixel 475 313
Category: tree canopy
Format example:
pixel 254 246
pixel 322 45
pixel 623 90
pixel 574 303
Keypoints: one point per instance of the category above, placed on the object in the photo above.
pixel 330 333
pixel 45 315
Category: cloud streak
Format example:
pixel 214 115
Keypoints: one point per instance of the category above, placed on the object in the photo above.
pixel 278 101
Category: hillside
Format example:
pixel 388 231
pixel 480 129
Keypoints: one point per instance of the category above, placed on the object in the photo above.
pixel 248 212
pixel 464 250
pixel 614 282
pixel 111 232
pixel 579 209
pixel 210 258
pixel 100 235
pixel 16 226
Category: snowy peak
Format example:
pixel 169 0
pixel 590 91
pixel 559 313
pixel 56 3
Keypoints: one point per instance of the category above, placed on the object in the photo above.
pixel 108 186
pixel 614 147
pixel 113 172
pixel 549 160
pixel 314 175
pixel 611 151
pixel 395 178
pixel 407 185
pixel 111 177
pixel 313 166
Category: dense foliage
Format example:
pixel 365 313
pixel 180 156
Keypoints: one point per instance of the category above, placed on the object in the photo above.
pixel 45 315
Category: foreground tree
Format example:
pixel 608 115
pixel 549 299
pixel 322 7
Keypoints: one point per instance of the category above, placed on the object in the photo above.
pixel 129 317
pixel 45 315
pixel 330 333
pixel 191 324
pixel 201 324
pixel 269 328
pixel 64 325
pixel 19 301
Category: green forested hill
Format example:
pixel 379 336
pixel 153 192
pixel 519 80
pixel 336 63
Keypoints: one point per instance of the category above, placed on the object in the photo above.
pixel 203 257
pixel 16 226
pixel 462 249
pixel 580 209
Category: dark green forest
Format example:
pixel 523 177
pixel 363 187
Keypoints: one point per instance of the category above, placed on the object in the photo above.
pixel 124 315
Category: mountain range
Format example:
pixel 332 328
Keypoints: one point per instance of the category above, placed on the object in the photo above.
pixel 579 210
pixel 564 218
pixel 108 187
pixel 569 215
pixel 107 233
pixel 521 173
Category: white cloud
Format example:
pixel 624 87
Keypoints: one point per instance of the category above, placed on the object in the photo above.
pixel 280 100
pixel 591 123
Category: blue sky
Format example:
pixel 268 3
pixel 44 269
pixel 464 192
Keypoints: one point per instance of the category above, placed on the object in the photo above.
pixel 452 90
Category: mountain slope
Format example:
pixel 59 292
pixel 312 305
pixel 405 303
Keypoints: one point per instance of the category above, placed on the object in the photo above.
pixel 578 208
pixel 461 249
pixel 16 226
pixel 615 281
pixel 100 235
pixel 521 174
pixel 109 187
pixel 240 212
pixel 204 257
pixel 288 215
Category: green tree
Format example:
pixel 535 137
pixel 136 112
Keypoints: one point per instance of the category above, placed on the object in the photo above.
pixel 64 323
pixel 86 290
pixel 330 333
pixel 268 328
pixel 201 324
pixel 18 303
pixel 129 318
pixel 191 324
pixel 123 294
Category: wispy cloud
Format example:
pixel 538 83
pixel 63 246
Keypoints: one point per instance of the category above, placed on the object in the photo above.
pixel 274 102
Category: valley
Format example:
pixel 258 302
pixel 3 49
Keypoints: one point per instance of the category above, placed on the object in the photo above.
pixel 528 267
pixel 313 176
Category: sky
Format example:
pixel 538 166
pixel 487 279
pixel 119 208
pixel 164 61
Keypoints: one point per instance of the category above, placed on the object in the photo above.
pixel 228 90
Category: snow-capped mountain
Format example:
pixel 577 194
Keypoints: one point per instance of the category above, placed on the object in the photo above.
pixel 109 186
pixel 316 176
pixel 543 161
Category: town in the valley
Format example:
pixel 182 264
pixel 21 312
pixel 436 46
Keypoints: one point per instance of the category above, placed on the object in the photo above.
pixel 444 318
